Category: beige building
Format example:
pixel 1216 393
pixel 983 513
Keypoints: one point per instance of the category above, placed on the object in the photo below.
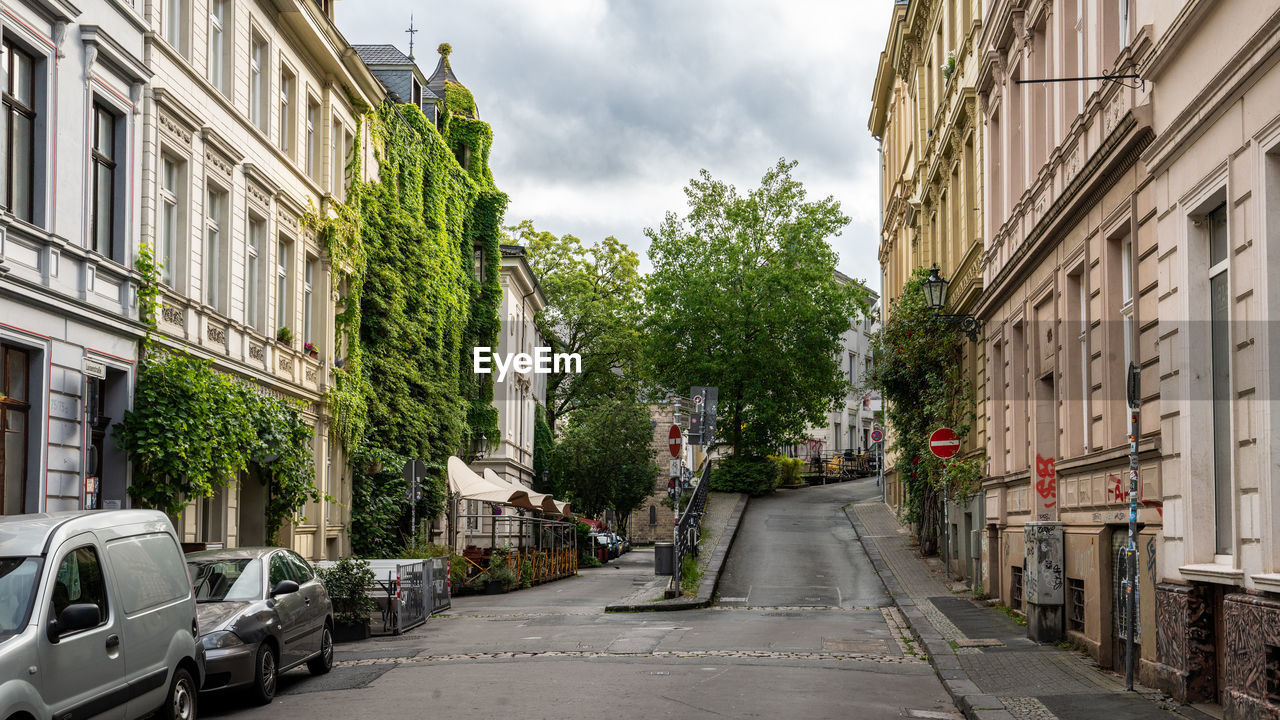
pixel 1071 290
pixel 1215 194
pixel 248 125
pixel 926 116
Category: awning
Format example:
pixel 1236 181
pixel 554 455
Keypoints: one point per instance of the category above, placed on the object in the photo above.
pixel 471 486
pixel 537 501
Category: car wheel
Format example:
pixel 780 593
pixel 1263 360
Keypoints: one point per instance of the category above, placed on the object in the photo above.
pixel 181 703
pixel 264 674
pixel 323 662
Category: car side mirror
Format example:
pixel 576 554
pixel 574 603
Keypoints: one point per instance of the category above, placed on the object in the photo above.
pixel 284 587
pixel 73 618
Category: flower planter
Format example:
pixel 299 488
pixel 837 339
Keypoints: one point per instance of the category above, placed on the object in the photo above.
pixel 350 632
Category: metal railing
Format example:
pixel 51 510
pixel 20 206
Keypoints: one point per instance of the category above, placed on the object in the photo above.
pixel 837 466
pixel 687 527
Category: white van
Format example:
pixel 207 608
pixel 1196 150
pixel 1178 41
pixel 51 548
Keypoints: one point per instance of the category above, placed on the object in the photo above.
pixel 97 617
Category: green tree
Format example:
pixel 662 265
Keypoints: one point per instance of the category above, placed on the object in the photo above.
pixel 595 301
pixel 918 372
pixel 744 296
pixel 604 459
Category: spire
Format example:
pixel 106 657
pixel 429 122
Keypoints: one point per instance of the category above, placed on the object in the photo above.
pixel 411 32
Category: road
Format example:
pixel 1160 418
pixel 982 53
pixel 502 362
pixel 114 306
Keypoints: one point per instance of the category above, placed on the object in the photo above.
pixel 804 630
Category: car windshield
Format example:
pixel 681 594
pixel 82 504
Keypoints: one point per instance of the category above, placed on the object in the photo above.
pixel 226 580
pixel 18 577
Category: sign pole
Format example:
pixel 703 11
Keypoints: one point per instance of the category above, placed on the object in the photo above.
pixel 1131 571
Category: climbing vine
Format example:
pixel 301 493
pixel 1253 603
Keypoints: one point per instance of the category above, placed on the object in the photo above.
pixel 919 372
pixel 193 429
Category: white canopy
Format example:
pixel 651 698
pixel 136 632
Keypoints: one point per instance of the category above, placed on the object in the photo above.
pixel 537 501
pixel 471 486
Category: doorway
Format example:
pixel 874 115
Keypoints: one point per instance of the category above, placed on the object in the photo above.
pixel 252 503
pixel 1119 606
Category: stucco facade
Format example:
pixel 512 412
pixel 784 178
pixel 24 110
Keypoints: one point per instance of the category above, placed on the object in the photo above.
pixel 73 80
pixel 1070 274
pixel 249 124
pixel 1215 192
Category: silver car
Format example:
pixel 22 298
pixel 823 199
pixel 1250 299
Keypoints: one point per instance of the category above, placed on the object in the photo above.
pixel 262 611
pixel 97 617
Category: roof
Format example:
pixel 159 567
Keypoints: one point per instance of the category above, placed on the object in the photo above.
pixel 443 74
pixel 238 553
pixel 512 250
pixel 382 55
pixel 28 535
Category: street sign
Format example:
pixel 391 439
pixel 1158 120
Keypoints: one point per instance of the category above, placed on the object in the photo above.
pixel 415 474
pixel 944 443
pixel 702 421
pixel 674 441
pixel 675 468
pixel 876 435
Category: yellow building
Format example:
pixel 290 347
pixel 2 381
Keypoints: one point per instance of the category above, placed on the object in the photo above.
pixel 926 118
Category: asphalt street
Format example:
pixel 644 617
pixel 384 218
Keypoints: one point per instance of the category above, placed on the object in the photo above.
pixel 804 630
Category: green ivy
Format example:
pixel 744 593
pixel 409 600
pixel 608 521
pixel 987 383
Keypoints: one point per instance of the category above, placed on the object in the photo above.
pixel 193 430
pixel 149 289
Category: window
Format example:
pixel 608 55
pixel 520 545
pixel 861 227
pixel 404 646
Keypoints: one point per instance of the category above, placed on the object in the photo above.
pixel 1220 375
pixel 14 409
pixel 301 569
pixel 1015 587
pixel 218 43
pixel 80 581
pixel 1075 604
pixel 278 571
pixel 17 128
pixel 103 156
pixel 168 246
pixel 853 364
pixel 287 119
pixel 836 437
pixel 313 144
pixel 283 314
pixel 214 254
pixel 257 83
pixel 160 576
pixel 341 144
pixel 308 312
pixel 653 515
pixel 174 21
pixel 254 304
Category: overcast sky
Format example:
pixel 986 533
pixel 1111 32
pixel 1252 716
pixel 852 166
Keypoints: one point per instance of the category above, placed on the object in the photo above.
pixel 602 110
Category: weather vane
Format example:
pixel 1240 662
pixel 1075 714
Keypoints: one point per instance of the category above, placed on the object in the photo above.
pixel 411 32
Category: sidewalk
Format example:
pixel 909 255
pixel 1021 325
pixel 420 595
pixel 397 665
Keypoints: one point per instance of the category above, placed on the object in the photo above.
pixel 983 657
pixel 719 526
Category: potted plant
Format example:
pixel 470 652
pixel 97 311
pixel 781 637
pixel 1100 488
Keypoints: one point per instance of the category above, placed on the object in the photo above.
pixel 284 335
pixel 950 67
pixel 347 583
pixel 312 352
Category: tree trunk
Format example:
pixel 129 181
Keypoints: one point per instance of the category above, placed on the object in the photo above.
pixel 929 521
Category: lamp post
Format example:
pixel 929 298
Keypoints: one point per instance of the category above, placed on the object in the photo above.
pixel 935 295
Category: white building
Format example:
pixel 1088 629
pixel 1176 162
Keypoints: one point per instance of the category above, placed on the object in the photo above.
pixel 849 426
pixel 518 394
pixel 70 174
pixel 250 121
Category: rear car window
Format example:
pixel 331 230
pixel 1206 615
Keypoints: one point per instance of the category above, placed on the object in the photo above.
pixel 150 571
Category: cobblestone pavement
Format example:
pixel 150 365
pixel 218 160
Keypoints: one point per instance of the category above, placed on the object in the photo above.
pixel 1004 675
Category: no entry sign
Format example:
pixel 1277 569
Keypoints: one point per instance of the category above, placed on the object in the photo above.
pixel 674 441
pixel 944 443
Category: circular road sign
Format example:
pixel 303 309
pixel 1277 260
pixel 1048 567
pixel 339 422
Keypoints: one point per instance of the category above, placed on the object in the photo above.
pixel 944 443
pixel 674 441
pixel 876 435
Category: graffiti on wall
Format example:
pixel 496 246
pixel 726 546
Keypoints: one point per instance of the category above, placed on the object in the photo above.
pixel 1043 581
pixel 1046 488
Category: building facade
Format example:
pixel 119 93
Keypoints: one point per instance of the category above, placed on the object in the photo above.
pixel 248 126
pixel 518 395
pixel 926 116
pixel 1070 274
pixel 1215 195
pixel 70 178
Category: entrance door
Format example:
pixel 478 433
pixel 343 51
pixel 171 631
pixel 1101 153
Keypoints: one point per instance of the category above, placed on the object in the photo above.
pixel 252 509
pixel 1119 610
pixel 15 427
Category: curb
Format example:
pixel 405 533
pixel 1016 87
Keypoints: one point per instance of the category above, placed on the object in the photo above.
pixel 710 579
pixel 970 700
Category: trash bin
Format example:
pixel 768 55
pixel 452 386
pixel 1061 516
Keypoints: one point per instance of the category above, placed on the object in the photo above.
pixel 664 558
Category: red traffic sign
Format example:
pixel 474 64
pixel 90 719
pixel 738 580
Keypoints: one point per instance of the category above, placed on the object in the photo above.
pixel 876 435
pixel 674 441
pixel 944 443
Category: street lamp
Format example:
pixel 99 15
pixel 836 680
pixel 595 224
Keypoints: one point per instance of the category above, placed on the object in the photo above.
pixel 935 295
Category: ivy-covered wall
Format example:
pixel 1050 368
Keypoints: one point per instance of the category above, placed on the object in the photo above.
pixel 419 252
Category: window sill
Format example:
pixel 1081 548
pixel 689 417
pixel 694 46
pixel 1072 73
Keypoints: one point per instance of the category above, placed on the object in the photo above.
pixel 1267 581
pixel 1213 573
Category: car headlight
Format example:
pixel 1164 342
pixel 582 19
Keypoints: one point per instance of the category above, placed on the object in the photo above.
pixel 220 639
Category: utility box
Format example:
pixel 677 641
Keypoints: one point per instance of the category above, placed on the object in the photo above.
pixel 1043 581
pixel 664 558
